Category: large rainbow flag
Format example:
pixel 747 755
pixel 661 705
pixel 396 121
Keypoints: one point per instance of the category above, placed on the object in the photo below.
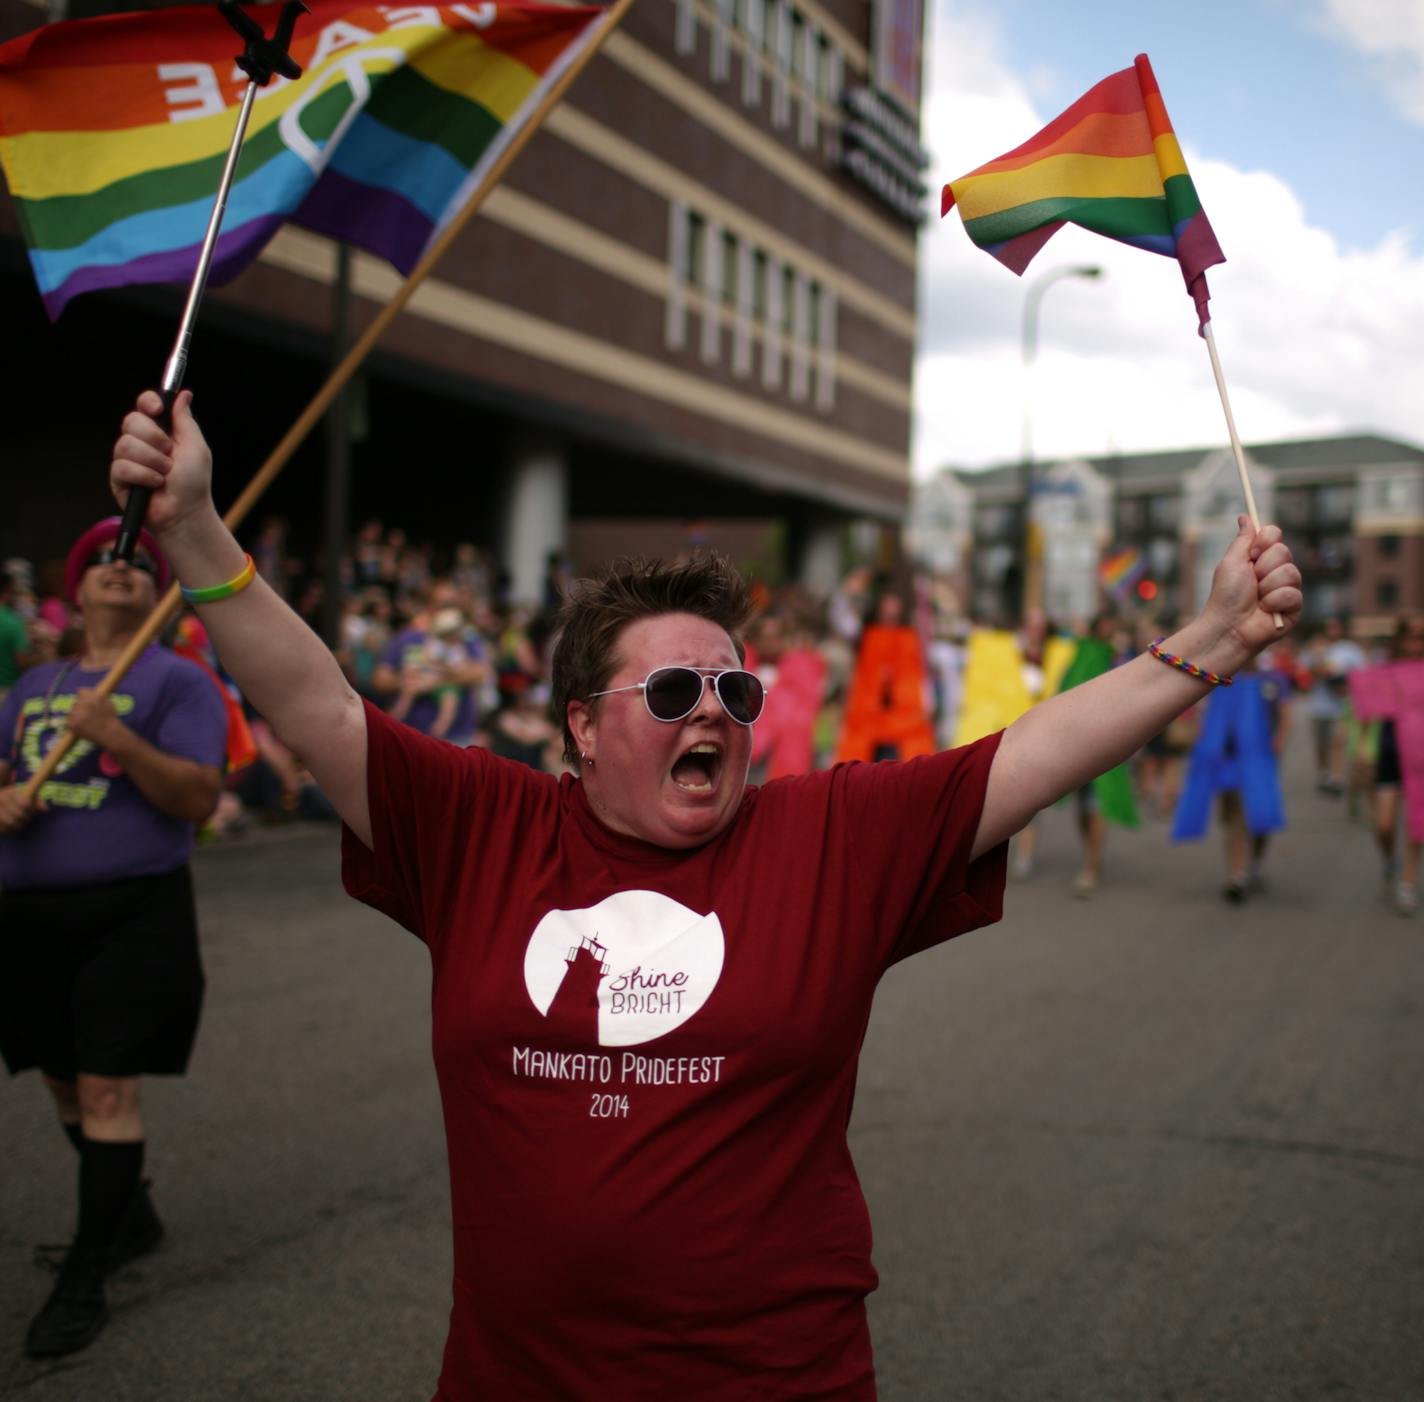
pixel 1110 163
pixel 113 132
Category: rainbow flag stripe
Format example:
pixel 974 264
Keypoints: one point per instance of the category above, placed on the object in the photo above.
pixel 1110 163
pixel 113 132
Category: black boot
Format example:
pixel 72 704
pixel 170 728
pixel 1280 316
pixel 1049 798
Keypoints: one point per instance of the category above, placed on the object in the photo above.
pixel 138 1232
pixel 76 1310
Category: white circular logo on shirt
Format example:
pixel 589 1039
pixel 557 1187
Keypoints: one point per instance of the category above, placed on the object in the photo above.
pixel 631 968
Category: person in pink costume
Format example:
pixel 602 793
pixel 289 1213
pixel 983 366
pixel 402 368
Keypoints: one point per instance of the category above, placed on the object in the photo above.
pixel 785 734
pixel 1394 695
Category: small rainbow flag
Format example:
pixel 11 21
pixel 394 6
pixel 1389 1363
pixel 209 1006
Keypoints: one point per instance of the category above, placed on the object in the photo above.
pixel 113 132
pixel 1121 570
pixel 1111 164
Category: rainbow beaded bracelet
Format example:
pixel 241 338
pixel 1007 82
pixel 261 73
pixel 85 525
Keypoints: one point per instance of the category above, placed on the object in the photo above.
pixel 214 592
pixel 1182 665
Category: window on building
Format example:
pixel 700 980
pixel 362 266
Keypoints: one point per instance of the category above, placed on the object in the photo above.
pixel 1389 547
pixel 1335 504
pixel 1131 515
pixel 729 267
pixel 759 285
pixel 788 298
pixel 751 17
pixel 721 62
pixel 829 75
pixel 1293 506
pixel 814 329
pixel 685 34
pixel 675 322
pixel 1165 511
pixel 1387 593
pixel 695 249
pixel 780 41
pixel 778 47
pixel 1336 552
pixel 995 522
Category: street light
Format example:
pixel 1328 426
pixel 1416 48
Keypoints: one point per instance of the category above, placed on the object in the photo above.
pixel 1033 547
pixel 1032 298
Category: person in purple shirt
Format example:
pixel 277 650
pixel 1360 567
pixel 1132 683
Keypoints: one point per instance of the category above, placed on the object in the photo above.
pixel 101 981
pixel 430 671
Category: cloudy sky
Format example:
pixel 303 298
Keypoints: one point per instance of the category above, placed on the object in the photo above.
pixel 1302 123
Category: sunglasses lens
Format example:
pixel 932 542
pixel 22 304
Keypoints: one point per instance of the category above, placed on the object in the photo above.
pixel 108 555
pixel 742 694
pixel 672 692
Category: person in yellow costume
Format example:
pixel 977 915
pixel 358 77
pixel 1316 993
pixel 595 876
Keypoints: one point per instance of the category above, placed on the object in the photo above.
pixel 1002 680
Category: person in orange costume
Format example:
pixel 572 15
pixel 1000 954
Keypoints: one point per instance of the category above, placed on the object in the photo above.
pixel 886 714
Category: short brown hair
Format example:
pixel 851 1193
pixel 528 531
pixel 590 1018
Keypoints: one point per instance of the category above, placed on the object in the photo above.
pixel 598 609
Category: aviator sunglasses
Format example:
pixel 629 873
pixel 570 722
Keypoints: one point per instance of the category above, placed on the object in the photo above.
pixel 672 693
pixel 109 556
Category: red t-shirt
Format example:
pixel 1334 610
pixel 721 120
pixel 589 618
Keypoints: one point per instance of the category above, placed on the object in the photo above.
pixel 647 1060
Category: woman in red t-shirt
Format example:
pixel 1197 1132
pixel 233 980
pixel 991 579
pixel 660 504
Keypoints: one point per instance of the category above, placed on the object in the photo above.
pixel 651 981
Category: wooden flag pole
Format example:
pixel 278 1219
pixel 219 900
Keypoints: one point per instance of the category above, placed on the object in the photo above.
pixel 1235 440
pixel 169 605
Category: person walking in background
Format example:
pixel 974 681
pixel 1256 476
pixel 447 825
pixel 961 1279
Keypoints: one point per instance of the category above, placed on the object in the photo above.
pixel 101 981
pixel 1108 797
pixel 1393 695
pixel 887 704
pixel 1235 763
pixel 1330 658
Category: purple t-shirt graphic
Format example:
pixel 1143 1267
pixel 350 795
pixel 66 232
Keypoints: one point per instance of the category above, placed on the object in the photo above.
pixel 98 826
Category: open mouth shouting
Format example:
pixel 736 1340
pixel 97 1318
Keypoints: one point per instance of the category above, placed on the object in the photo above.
pixel 697 769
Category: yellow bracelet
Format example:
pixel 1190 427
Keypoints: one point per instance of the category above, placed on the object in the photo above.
pixel 215 592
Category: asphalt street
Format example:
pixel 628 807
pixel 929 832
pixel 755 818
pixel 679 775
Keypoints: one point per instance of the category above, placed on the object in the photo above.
pixel 1146 1146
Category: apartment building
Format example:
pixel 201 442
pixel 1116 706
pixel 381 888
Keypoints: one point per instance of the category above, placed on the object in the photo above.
pixel 1352 509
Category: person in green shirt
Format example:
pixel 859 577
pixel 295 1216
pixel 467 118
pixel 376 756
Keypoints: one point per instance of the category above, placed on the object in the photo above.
pixel 14 636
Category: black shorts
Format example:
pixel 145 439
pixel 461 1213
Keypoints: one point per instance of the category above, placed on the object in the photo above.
pixel 106 980
pixel 1387 771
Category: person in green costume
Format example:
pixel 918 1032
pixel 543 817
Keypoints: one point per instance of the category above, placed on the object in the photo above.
pixel 1108 798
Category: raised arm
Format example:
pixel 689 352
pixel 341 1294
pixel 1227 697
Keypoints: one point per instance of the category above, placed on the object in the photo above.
pixel 283 668
pixel 1072 738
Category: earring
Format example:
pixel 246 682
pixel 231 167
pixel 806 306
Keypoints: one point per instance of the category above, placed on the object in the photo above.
pixel 587 759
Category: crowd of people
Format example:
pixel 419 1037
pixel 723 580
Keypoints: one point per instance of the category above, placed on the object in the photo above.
pixel 429 634
pixel 652 691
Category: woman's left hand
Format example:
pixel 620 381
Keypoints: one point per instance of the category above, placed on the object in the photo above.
pixel 1256 580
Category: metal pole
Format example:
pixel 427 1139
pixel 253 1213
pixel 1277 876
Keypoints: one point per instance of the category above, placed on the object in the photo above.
pixel 260 59
pixel 136 507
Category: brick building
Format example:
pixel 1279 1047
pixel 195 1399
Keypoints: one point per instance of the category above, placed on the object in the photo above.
pixel 688 312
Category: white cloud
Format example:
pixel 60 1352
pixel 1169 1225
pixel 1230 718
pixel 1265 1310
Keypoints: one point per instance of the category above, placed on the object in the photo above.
pixel 1390 32
pixel 1314 339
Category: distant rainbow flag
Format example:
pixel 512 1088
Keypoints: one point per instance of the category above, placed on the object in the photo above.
pixel 1110 164
pixel 1121 570
pixel 113 132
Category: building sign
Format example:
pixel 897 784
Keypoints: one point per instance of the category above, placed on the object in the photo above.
pixel 880 147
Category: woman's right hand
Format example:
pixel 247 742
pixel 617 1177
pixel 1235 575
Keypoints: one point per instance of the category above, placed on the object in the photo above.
pixel 15 810
pixel 178 467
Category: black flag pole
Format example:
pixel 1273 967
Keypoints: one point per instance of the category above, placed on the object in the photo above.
pixel 261 58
